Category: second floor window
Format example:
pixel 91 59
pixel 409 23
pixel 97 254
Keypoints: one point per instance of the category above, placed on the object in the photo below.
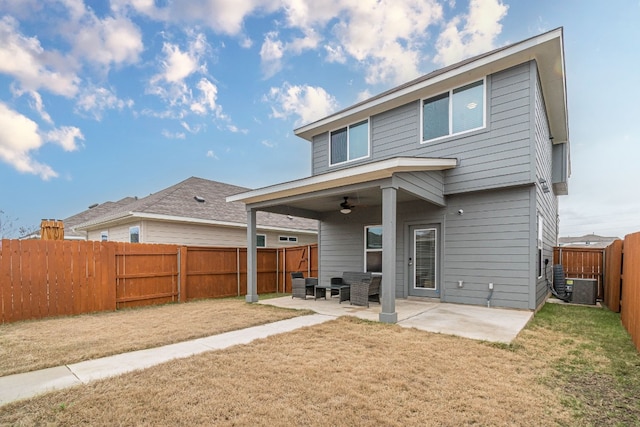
pixel 350 143
pixel 459 110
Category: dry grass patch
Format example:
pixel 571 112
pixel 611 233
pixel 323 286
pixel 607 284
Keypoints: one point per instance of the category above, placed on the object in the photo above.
pixel 31 345
pixel 343 372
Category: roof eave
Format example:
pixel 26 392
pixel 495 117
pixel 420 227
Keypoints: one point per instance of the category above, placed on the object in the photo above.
pixel 357 174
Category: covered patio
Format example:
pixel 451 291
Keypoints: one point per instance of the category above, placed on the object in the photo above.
pixel 379 187
pixel 479 323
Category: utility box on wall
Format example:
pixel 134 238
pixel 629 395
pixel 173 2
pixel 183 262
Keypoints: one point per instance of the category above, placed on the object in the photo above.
pixel 584 291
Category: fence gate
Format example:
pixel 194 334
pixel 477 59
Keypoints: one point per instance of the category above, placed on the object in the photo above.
pixel 582 263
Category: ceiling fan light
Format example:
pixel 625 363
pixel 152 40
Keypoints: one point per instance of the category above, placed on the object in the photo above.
pixel 345 211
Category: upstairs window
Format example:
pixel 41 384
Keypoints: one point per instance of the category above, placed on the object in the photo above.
pixel 261 240
pixel 350 143
pixel 457 111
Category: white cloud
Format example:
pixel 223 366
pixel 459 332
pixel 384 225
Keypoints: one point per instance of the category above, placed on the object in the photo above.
pixel 309 103
pixel 189 128
pixel 246 43
pixel 480 28
pixel 335 53
pixel 212 155
pixel 365 94
pixel 25 59
pixel 177 64
pixel 36 102
pixel 113 40
pixel 221 16
pixel 65 137
pixel 386 36
pixel 206 102
pixel 271 54
pixel 96 100
pixel 19 137
pixel 267 143
pixel 173 135
pixel 236 129
pixel 178 67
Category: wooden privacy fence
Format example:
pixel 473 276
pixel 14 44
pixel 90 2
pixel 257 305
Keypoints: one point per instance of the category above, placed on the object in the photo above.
pixel 582 263
pixel 55 278
pixel 620 273
pixel 630 287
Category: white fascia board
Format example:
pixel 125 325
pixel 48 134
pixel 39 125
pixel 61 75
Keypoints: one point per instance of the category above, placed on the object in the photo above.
pixel 348 176
pixel 501 60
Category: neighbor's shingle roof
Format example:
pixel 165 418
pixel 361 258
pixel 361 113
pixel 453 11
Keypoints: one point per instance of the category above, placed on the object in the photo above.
pixel 179 201
pixel 93 213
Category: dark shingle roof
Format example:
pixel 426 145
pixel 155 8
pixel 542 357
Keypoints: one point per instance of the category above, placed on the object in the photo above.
pixel 179 201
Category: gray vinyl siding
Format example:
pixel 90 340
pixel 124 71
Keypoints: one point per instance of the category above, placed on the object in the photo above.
pixel 342 241
pixel 546 203
pixel 430 184
pixel 496 156
pixel 489 243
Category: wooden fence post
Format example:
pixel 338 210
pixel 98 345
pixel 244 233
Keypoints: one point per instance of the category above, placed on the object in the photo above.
pixel 182 274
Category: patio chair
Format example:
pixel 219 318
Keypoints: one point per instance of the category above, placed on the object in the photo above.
pixel 366 290
pixel 302 287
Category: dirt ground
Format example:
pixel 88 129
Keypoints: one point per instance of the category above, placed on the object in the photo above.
pixel 343 372
pixel 31 345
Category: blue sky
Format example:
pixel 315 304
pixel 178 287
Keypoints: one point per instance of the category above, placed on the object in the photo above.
pixel 100 100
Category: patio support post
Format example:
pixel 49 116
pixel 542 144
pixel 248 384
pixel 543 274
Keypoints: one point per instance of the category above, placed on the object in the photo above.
pixel 388 313
pixel 252 257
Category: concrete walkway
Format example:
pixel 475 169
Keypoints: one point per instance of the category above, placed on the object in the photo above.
pixel 481 323
pixel 30 384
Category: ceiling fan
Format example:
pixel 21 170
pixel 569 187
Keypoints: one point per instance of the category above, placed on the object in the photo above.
pixel 345 207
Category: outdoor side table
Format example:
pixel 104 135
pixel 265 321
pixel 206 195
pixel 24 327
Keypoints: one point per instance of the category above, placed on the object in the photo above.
pixel 344 291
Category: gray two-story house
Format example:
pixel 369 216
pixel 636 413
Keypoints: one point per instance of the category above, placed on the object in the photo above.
pixel 446 185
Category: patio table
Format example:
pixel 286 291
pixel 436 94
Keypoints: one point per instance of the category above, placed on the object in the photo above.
pixel 344 291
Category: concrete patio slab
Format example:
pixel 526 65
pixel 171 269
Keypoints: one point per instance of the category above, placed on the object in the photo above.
pixel 468 321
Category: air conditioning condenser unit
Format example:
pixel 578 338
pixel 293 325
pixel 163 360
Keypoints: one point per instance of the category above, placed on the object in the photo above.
pixel 583 291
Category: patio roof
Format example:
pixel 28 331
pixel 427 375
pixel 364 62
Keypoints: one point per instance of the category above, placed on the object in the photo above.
pixel 362 176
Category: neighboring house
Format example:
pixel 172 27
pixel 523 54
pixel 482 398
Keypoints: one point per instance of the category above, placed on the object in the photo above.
pixel 93 212
pixel 458 171
pixel 192 212
pixel 586 241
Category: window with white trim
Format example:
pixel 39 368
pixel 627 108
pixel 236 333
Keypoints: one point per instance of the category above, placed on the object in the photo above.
pixel 456 111
pixel 134 234
pixel 288 239
pixel 349 143
pixel 540 245
pixel 261 240
pixel 104 236
pixel 373 248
